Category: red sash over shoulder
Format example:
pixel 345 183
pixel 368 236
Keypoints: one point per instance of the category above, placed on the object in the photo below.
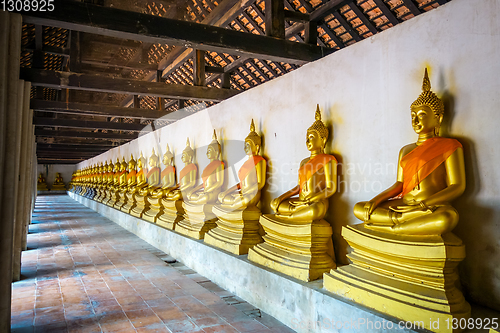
pixel 153 170
pixel 167 170
pixel 423 160
pixel 312 166
pixel 209 170
pixel 248 166
pixel 131 174
pixel 187 169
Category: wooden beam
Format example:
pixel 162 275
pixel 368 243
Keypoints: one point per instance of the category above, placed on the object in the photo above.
pixel 88 124
pixel 58 80
pixel 296 16
pixel 94 109
pixel 199 68
pixel 386 11
pixel 59 161
pixel 154 29
pixel 75 54
pixel 275 18
pixel 123 65
pixel 70 147
pixel 412 7
pixel 79 134
pixel 76 141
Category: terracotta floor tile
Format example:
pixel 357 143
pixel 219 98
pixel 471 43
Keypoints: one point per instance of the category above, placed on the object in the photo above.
pixel 86 274
pixel 220 329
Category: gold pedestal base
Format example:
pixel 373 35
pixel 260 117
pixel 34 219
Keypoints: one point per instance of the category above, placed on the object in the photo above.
pixel 141 204
pixel 172 214
pixel 129 203
pixel 198 220
pixel 41 187
pixel 153 211
pixel 303 250
pixel 58 188
pixel 122 199
pixel 115 197
pixel 407 277
pixel 237 230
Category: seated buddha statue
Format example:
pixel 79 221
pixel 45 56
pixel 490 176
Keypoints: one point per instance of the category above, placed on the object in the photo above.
pixel 404 257
pixel 112 193
pixel 152 181
pixel 121 187
pixel 126 194
pixel 430 175
pixel 40 183
pixel 58 184
pixel 104 182
pixel 171 199
pixel 199 217
pixel 167 178
pixel 238 213
pixel 298 225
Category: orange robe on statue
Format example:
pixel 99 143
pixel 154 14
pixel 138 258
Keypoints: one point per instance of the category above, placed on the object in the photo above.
pixel 423 160
pixel 209 170
pixel 312 166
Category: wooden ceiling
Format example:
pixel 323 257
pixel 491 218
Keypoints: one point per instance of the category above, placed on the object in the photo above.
pixel 102 70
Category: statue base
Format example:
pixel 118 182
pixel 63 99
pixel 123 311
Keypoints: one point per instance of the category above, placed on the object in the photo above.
pixel 122 199
pixel 58 187
pixel 141 204
pixel 129 203
pixel 172 213
pixel 115 197
pixel 237 230
pixel 198 220
pixel 413 278
pixel 300 249
pixel 41 187
pixel 153 211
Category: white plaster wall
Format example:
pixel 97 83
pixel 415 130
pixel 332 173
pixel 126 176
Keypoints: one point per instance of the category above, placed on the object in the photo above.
pixel 364 92
pixel 49 172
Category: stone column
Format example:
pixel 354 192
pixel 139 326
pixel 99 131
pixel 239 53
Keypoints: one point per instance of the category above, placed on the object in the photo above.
pixel 22 201
pixel 18 189
pixel 10 39
pixel 30 180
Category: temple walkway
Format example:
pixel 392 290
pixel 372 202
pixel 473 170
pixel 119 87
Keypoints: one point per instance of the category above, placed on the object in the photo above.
pixel 84 273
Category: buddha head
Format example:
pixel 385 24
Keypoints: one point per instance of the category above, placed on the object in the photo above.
pixel 252 141
pixel 105 167
pixel 317 134
pixel 100 168
pixel 141 162
pixel 213 149
pixel 154 160
pixel 123 165
pixel 131 163
pixel 427 110
pixel 187 153
pixel 168 157
pixel 117 165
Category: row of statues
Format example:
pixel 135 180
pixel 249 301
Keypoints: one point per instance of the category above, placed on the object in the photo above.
pixel 57 185
pixel 404 248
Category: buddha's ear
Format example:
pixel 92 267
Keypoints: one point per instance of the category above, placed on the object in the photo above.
pixel 257 148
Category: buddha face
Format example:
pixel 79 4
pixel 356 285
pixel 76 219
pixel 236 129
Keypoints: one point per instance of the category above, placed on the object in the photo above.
pixel 131 165
pixel 186 158
pixel 424 120
pixel 139 163
pixel 211 153
pixel 152 162
pixel 314 141
pixel 167 159
pixel 251 148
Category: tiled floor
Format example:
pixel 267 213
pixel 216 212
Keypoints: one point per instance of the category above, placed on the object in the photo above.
pixel 83 273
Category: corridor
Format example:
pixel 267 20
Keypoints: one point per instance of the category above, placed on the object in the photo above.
pixel 83 273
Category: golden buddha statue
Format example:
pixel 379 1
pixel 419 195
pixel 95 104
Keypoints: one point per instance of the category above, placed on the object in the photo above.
pixel 104 182
pixel 58 184
pixel 167 185
pixel 238 213
pixel 306 249
pixel 127 192
pixel 120 184
pixel 198 217
pixel 405 248
pixel 152 182
pixel 109 182
pixel 41 185
pixel 172 199
pixel 111 193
